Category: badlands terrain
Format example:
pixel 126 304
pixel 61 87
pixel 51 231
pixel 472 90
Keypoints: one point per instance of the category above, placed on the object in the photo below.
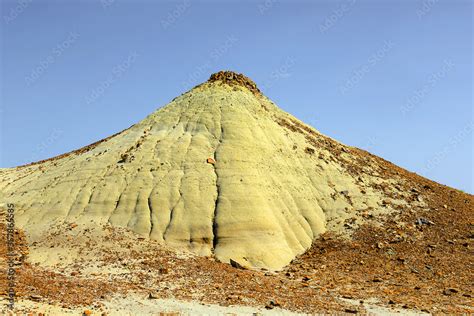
pixel 222 203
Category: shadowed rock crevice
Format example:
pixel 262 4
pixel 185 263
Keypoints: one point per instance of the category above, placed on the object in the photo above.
pixel 216 203
pixel 150 208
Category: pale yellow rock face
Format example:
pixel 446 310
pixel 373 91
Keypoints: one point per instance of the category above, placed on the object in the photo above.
pixel 261 203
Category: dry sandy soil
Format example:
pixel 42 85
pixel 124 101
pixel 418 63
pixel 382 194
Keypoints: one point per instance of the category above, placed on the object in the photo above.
pixel 403 265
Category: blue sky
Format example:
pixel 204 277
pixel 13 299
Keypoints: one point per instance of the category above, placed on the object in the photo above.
pixel 392 77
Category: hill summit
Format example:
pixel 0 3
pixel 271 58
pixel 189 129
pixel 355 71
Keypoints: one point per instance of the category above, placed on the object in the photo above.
pixel 232 78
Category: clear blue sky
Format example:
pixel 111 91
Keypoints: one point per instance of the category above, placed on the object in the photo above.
pixel 392 77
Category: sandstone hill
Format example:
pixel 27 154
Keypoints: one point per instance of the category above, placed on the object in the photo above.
pixel 222 174
pixel 220 170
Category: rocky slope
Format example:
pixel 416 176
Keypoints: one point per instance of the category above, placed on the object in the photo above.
pixel 397 266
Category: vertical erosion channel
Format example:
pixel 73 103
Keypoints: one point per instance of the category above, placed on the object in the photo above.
pixel 214 217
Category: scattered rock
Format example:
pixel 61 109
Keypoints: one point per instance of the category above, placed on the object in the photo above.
pixel 35 297
pixel 351 310
pixel 401 259
pixel 237 265
pixel 414 270
pixel 450 291
pixel 125 157
pixel 72 225
pixel 423 221
pixel 272 304
pixel 163 270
